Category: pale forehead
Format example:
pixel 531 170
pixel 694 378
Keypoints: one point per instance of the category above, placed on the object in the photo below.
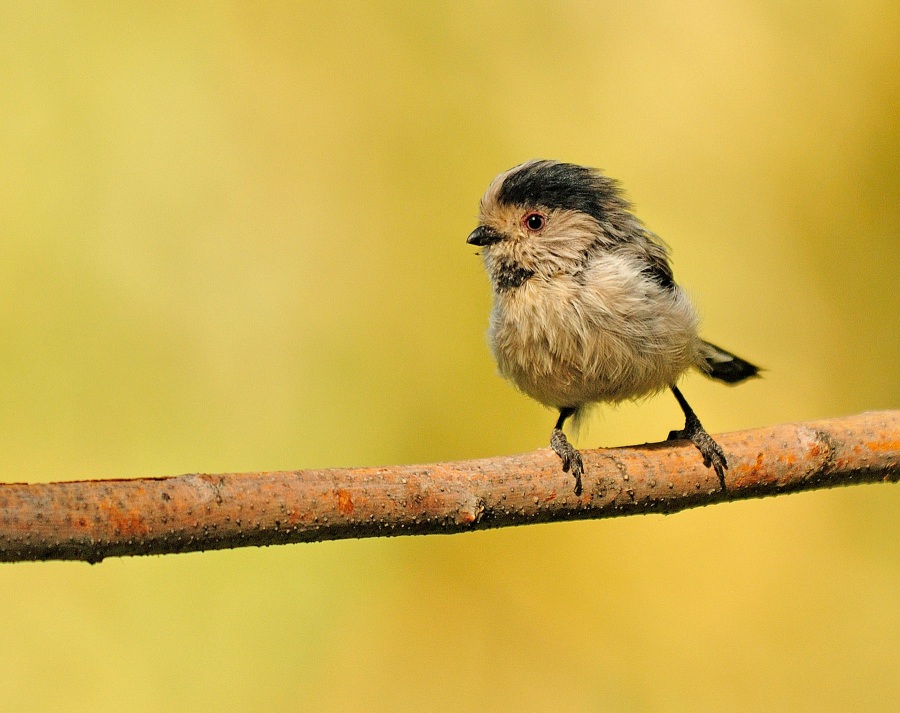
pixel 490 201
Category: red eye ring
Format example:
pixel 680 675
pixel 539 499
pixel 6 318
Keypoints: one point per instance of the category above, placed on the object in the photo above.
pixel 534 222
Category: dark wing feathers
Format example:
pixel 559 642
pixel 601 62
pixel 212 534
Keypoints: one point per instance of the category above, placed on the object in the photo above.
pixel 657 257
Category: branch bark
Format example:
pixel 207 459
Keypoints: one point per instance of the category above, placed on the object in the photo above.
pixel 91 520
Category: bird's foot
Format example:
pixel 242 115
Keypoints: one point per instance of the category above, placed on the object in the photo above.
pixel 571 458
pixel 713 455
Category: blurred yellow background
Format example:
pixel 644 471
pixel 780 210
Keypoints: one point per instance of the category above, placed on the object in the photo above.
pixel 233 238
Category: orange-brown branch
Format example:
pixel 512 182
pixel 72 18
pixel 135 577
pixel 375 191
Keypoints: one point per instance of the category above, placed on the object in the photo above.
pixel 90 520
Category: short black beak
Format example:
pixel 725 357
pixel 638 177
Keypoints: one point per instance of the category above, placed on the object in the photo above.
pixel 482 235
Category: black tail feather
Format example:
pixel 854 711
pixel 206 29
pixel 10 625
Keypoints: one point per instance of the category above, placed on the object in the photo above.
pixel 725 366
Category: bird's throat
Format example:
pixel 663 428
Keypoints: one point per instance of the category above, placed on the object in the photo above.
pixel 509 275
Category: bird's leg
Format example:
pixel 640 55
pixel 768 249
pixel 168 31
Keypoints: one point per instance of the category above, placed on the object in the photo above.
pixel 571 458
pixel 713 455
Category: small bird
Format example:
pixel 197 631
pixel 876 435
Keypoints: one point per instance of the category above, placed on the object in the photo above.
pixel 586 309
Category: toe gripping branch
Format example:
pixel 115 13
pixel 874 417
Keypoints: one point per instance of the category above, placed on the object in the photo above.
pixel 571 458
pixel 693 431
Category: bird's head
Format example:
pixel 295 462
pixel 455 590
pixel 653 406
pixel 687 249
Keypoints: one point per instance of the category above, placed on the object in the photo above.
pixel 546 218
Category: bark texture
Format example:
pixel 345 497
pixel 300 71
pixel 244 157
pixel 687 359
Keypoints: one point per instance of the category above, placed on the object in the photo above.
pixel 91 520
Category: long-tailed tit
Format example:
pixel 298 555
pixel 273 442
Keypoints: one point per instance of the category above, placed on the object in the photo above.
pixel 585 306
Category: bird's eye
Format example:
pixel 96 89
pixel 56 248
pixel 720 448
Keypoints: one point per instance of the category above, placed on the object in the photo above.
pixel 534 222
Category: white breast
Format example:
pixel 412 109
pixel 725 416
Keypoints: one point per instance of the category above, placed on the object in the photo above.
pixel 611 335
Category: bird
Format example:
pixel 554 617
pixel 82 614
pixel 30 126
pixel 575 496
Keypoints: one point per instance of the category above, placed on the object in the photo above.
pixel 586 309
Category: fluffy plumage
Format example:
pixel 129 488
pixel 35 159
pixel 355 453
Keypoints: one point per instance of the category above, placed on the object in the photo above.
pixel 586 308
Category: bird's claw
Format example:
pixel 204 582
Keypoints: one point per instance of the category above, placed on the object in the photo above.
pixel 571 458
pixel 713 455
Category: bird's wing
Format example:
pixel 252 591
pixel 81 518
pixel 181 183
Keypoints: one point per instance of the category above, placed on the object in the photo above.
pixel 653 251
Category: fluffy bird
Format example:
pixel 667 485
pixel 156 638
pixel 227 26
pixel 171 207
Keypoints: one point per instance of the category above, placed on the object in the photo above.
pixel 586 309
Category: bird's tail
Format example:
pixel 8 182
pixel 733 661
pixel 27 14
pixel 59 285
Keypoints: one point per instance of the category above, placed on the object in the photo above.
pixel 725 366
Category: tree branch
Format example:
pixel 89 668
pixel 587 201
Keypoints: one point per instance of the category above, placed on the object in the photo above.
pixel 90 520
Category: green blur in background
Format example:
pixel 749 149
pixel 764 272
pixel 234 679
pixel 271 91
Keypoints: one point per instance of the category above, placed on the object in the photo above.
pixel 232 237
